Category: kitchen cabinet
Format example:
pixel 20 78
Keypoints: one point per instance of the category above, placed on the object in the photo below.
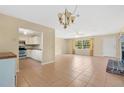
pixel 29 53
pixel 7 70
pixel 36 40
pixel 35 54
pixel 28 40
pixel 32 40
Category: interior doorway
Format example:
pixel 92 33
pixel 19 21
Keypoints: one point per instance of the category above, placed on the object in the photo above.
pixel 30 44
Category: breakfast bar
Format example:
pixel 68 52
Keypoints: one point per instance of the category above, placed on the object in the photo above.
pixel 7 69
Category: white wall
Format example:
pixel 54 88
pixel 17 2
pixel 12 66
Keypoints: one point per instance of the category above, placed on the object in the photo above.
pixel 97 46
pixel 105 45
pixel 69 46
pixel 60 46
pixel 109 46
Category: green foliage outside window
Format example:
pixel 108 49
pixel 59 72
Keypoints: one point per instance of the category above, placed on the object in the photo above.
pixel 86 44
pixel 82 44
pixel 79 44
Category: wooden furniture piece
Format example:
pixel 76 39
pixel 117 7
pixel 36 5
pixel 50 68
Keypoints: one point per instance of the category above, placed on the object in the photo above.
pixel 7 69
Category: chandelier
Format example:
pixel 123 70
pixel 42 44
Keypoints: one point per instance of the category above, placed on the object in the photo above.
pixel 66 18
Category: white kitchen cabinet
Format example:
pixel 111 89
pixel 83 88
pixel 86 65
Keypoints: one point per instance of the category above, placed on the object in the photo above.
pixel 35 54
pixel 32 40
pixel 8 72
pixel 29 40
pixel 29 53
pixel 36 40
pixel 38 55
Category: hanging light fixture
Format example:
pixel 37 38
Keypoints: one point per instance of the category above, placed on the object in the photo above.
pixel 66 18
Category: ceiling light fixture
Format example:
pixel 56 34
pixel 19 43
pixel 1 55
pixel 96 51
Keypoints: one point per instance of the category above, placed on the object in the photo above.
pixel 67 17
pixel 25 33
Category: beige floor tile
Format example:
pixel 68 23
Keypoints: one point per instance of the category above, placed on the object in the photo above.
pixel 67 71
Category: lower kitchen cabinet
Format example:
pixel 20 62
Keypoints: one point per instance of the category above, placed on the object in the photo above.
pixel 35 54
pixel 28 53
pixel 8 72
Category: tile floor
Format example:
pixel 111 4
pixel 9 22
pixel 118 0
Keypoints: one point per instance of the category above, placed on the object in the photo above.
pixel 68 71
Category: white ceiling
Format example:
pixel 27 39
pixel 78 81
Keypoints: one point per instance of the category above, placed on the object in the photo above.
pixel 93 20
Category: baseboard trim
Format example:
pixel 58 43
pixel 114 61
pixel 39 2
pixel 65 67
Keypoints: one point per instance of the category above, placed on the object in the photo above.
pixel 44 63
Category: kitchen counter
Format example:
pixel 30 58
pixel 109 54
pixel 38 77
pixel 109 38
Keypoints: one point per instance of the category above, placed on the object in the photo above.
pixel 33 49
pixel 7 69
pixel 6 55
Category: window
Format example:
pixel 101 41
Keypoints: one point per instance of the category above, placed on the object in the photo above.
pixel 86 44
pixel 79 44
pixel 82 44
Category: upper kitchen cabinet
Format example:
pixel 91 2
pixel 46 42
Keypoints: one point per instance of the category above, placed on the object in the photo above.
pixel 28 40
pixel 32 40
pixel 36 40
pixel 30 37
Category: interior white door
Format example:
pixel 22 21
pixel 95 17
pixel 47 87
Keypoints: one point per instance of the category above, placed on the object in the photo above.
pixel 109 46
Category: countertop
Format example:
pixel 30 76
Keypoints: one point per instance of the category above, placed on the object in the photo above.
pixel 33 49
pixel 6 55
